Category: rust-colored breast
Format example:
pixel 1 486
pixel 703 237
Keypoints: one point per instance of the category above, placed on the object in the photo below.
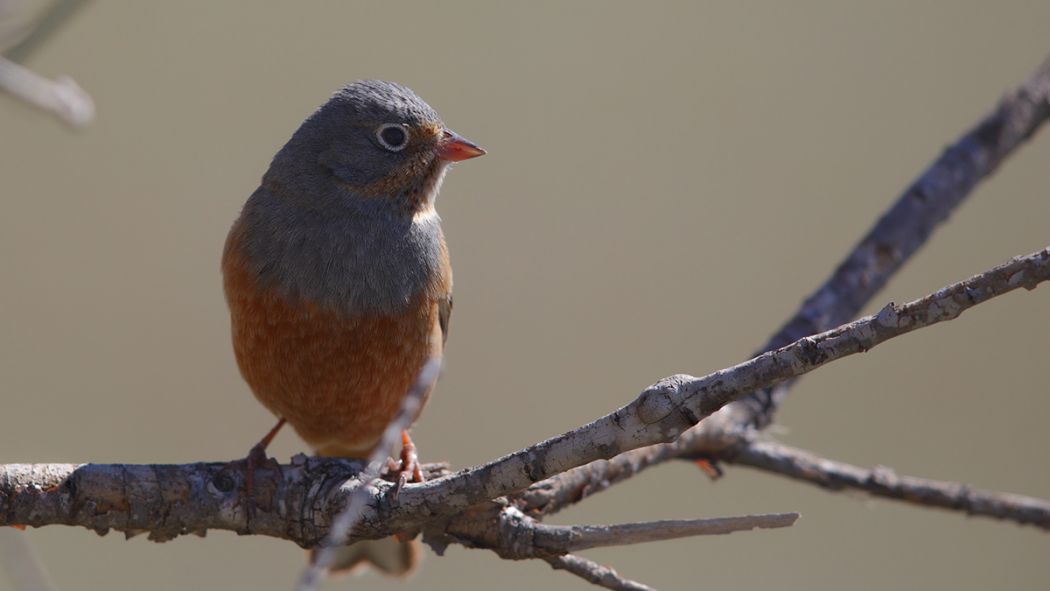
pixel 337 379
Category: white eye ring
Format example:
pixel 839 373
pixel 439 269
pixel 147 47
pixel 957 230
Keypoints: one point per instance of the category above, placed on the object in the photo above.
pixel 389 146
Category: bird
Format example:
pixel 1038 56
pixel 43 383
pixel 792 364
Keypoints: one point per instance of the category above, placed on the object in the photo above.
pixel 338 280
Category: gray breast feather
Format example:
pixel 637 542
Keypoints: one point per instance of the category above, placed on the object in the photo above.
pixel 348 260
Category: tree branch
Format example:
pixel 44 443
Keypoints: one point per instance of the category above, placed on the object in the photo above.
pixel 884 482
pixel 172 500
pixel 891 242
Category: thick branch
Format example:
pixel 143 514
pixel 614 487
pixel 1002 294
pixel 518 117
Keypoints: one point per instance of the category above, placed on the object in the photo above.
pixel 884 482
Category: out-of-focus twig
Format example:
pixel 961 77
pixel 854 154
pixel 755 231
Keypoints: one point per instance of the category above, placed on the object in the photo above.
pixel 61 97
pixel 345 521
pixel 21 564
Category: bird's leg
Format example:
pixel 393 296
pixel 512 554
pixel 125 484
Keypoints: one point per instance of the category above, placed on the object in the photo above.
pixel 410 458
pixel 257 457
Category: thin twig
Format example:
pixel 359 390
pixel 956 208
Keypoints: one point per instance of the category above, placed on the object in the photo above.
pixel 594 573
pixel 884 482
pixel 520 536
pixel 573 538
pixel 61 97
pixel 549 496
pixel 315 572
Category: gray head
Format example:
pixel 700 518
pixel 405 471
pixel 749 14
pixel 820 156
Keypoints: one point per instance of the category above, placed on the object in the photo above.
pixel 373 141
pixel 341 218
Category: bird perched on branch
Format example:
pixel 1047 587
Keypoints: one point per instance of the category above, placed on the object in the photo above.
pixel 338 280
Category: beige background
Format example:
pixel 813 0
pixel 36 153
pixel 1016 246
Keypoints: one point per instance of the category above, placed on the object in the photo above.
pixel 665 183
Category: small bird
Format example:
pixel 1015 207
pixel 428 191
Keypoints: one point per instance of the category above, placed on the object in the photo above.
pixel 338 279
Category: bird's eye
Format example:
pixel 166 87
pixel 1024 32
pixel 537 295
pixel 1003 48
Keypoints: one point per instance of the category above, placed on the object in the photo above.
pixel 392 136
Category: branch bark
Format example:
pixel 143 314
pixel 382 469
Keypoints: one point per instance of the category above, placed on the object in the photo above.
pixel 563 539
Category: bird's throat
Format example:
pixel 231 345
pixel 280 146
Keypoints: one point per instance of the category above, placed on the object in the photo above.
pixel 422 198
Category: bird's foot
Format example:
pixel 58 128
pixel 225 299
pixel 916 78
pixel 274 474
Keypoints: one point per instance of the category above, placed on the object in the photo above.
pixel 408 468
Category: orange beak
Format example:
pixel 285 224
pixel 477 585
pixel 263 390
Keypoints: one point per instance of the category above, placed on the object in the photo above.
pixel 454 147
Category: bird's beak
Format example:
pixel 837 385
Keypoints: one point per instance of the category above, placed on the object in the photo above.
pixel 454 147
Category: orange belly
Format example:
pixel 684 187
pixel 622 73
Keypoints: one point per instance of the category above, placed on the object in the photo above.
pixel 337 380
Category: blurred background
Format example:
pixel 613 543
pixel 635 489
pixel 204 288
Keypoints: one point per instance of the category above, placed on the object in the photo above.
pixel 665 183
